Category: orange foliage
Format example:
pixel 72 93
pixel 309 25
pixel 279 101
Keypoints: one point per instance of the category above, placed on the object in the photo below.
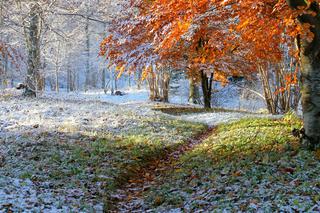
pixel 230 37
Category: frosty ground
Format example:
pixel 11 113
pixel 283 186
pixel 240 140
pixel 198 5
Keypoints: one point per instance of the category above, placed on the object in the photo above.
pixel 62 153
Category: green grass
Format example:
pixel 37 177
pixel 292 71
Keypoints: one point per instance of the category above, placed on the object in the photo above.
pixel 243 166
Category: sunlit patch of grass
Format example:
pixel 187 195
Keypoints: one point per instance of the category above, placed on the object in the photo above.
pixel 244 166
pixel 248 138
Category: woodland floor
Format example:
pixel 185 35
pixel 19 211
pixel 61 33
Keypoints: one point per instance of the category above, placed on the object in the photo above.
pixel 61 154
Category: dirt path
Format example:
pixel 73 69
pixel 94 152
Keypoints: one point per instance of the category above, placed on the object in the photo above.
pixel 130 197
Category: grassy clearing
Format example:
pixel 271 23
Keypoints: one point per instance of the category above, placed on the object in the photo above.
pixel 249 165
pixel 100 163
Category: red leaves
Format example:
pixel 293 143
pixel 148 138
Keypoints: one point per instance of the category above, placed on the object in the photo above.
pixel 287 170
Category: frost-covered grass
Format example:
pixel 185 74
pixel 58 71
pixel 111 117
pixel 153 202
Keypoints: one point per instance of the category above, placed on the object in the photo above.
pixel 70 155
pixel 65 153
pixel 249 165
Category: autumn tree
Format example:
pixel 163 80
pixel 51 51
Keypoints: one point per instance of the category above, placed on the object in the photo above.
pixel 177 34
pixel 258 32
pixel 267 24
pixel 231 37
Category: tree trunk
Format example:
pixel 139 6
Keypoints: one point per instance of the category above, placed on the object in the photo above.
pixel 138 79
pixel 194 96
pixel 159 82
pixel 129 79
pixel 103 79
pixel 33 80
pixel 72 81
pixel 5 71
pixel 310 72
pixel 269 93
pixel 311 98
pixel 87 75
pixel 68 78
pixel 57 68
pixel 165 86
pixel 206 84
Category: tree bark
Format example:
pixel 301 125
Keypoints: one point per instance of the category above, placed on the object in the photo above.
pixel 87 75
pixel 194 96
pixel 206 84
pixel 33 80
pixel 57 68
pixel 310 71
pixel 165 85
pixel 159 82
pixel 103 78
pixel 138 79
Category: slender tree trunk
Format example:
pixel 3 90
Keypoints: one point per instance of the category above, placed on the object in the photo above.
pixel 87 75
pixel 68 79
pixel 5 71
pixel 115 81
pixel 72 80
pixel 138 79
pixel 103 74
pixel 206 84
pixel 57 63
pixel 268 92
pixel 57 80
pixel 69 76
pixel 129 79
pixel 165 85
pixel 103 79
pixel 310 71
pixel 1 12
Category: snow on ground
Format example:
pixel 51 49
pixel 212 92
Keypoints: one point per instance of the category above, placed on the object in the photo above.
pixel 138 100
pixel 74 114
pixel 131 96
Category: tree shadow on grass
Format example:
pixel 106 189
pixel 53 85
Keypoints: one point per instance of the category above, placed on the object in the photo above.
pixel 99 164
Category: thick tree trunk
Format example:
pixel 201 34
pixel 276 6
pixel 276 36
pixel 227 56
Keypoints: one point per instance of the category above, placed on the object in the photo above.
pixel 33 80
pixel 311 98
pixel 310 71
pixel 194 96
pixel 206 84
pixel 159 85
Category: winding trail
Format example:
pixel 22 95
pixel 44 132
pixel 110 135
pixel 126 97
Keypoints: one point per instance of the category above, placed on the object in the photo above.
pixel 47 122
pixel 130 197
